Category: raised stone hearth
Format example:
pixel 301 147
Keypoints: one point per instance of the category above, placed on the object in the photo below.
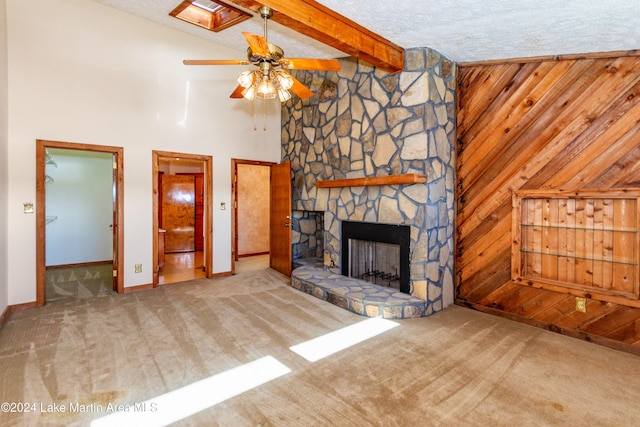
pixel 356 295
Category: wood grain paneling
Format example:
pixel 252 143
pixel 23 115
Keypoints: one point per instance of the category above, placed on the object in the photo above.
pixel 178 212
pixel 569 124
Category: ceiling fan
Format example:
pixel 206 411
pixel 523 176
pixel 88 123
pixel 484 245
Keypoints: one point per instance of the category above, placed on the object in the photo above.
pixel 270 79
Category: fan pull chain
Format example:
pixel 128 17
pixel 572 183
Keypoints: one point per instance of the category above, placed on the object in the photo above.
pixel 255 119
pixel 264 115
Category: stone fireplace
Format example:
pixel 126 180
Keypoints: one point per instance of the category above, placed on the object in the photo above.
pixel 376 253
pixel 307 236
pixel 363 123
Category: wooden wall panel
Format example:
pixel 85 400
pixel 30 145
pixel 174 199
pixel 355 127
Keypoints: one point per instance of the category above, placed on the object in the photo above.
pixel 567 124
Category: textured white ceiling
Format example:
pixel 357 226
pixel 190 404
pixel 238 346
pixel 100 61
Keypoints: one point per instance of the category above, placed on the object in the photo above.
pixel 462 30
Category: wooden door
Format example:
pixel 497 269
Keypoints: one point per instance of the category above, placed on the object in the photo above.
pixel 178 212
pixel 280 223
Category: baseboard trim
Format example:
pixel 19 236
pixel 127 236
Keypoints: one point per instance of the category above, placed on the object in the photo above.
pixel 81 264
pixel 253 254
pixel 223 274
pixel 585 336
pixel 4 315
pixel 129 289
pixel 16 307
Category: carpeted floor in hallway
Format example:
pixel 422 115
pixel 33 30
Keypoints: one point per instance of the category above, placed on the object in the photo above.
pixel 455 368
pixel 79 282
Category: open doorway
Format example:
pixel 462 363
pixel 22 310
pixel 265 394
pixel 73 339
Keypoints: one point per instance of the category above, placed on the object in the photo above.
pixel 182 207
pixel 276 200
pixel 250 219
pixel 88 232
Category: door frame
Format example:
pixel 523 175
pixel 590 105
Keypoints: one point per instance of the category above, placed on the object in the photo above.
pixel 234 201
pixel 208 206
pixel 118 203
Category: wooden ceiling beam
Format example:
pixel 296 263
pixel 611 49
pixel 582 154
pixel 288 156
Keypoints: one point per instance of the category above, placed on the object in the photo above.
pixel 314 20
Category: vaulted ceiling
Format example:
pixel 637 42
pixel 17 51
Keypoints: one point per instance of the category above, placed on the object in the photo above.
pixel 462 30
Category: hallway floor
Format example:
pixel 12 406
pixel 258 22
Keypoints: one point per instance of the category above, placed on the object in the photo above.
pixel 182 266
pixel 79 282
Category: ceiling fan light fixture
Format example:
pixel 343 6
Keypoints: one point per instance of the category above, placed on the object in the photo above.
pixel 283 94
pixel 245 79
pixel 266 86
pixel 284 79
pixel 249 93
pixel 266 89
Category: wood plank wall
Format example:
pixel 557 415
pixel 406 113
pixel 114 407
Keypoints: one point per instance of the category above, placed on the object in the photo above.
pixel 551 123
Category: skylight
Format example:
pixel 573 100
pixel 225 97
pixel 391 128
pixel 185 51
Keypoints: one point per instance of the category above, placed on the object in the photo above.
pixel 209 5
pixel 209 14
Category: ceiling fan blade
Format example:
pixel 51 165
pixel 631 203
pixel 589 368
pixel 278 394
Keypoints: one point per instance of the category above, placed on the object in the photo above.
pixel 237 93
pixel 310 64
pixel 258 44
pixel 215 62
pixel 301 90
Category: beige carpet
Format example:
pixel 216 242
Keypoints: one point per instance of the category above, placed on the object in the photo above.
pixel 456 368
pixel 79 282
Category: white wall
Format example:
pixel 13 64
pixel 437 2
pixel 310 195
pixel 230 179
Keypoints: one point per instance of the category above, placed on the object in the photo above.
pixel 82 72
pixel 80 197
pixel 4 284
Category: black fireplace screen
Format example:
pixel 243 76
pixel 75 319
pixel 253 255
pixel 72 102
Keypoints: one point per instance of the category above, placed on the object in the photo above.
pixel 375 262
pixel 377 253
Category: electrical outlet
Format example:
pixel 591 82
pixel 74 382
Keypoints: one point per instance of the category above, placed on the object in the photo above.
pixel 581 305
pixel 138 268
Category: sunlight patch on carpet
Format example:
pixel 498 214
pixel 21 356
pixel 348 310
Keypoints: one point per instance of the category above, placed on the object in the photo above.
pixel 333 342
pixel 181 403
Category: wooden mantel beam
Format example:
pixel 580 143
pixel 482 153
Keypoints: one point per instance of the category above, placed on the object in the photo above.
pixel 314 20
pixel 408 178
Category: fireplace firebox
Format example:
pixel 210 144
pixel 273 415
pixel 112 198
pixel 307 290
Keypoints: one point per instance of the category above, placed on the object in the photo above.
pixel 377 253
